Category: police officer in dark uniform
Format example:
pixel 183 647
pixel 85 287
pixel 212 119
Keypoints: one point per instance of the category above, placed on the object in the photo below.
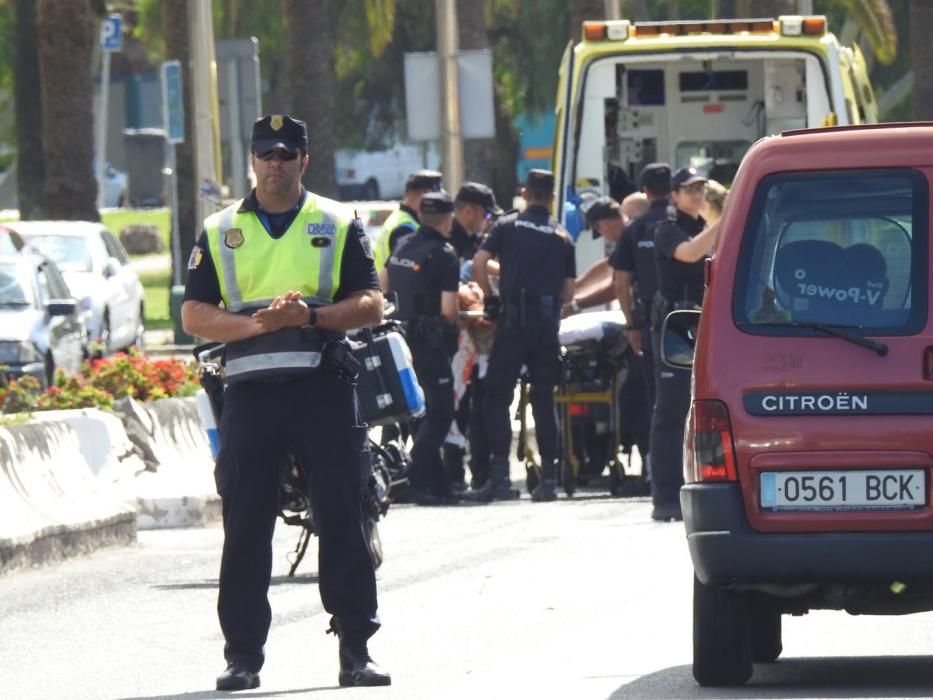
pixel 537 271
pixel 423 271
pixel 404 220
pixel 293 272
pixel 682 243
pixel 475 209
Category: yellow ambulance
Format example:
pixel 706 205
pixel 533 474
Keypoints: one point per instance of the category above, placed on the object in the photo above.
pixel 692 93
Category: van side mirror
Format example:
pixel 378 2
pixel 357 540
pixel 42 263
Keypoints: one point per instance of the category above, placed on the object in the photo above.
pixel 111 267
pixel 678 338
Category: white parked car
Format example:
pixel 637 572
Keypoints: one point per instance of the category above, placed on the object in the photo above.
pixel 372 175
pixel 96 267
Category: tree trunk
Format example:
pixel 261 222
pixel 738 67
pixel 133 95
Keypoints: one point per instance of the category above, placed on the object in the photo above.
pixel 175 16
pixel 764 8
pixel 479 155
pixel 726 9
pixel 581 10
pixel 30 173
pixel 921 57
pixel 66 34
pixel 310 70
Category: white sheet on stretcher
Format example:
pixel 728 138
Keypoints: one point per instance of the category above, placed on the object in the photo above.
pixel 594 325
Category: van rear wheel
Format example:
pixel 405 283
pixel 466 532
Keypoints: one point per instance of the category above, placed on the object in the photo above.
pixel 722 648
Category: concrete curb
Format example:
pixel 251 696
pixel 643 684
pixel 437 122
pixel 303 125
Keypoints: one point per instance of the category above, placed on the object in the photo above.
pixel 51 505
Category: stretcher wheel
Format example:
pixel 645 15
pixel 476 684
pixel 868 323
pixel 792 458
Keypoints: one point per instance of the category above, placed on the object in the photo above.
pixel 568 479
pixel 531 477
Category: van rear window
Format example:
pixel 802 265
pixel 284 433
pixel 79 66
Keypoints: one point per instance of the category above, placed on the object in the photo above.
pixel 841 248
pixel 699 81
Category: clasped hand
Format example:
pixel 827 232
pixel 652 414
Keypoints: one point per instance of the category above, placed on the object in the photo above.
pixel 286 310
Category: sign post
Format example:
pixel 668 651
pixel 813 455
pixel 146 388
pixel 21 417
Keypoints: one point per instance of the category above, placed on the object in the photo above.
pixel 173 121
pixel 111 40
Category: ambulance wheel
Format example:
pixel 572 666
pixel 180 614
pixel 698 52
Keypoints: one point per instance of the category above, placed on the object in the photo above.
pixel 531 477
pixel 567 478
pixel 373 540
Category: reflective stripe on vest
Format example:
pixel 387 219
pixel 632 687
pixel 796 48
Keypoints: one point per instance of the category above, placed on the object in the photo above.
pixel 271 361
pixel 399 217
pixel 307 257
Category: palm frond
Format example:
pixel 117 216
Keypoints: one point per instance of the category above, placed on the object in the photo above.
pixel 877 21
pixel 380 18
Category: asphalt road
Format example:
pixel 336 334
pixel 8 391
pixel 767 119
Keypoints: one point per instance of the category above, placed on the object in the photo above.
pixel 581 598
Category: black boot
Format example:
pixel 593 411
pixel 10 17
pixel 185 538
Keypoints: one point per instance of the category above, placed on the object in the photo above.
pixel 498 486
pixel 357 667
pixel 237 678
pixel 546 490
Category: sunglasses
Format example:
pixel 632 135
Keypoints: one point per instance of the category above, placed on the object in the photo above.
pixel 278 153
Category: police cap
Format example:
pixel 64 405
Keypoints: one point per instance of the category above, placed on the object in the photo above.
pixel 477 193
pixel 423 181
pixel 437 203
pixel 686 176
pixel 602 208
pixel 656 177
pixel 542 180
pixel 279 131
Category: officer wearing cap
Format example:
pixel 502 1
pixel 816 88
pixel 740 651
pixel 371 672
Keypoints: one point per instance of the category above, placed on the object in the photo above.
pixel 475 209
pixel 635 275
pixel 292 272
pixel 424 272
pixel 682 242
pixel 537 270
pixel 404 220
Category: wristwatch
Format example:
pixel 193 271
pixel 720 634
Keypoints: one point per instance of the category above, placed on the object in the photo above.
pixel 575 306
pixel 312 316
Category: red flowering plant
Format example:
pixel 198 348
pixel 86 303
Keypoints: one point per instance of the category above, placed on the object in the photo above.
pixel 102 380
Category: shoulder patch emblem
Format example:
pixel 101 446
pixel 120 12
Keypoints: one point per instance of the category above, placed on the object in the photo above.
pixel 233 238
pixel 195 258
pixel 367 247
pixel 322 230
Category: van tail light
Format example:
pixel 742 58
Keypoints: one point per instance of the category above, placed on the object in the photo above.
pixel 710 441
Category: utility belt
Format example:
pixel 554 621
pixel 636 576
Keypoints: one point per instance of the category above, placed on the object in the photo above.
pixel 287 353
pixel 529 310
pixel 662 306
pixel 434 331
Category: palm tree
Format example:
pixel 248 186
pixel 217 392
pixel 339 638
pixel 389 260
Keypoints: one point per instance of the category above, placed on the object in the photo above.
pixel 581 10
pixel 310 70
pixel 765 8
pixel 66 36
pixel 921 55
pixel 30 173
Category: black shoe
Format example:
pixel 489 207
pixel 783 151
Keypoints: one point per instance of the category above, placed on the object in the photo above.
pixel 666 511
pixel 546 490
pixel 237 678
pixel 358 669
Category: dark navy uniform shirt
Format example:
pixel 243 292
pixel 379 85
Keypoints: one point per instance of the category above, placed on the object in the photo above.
pixel 635 250
pixel 535 253
pixel 357 271
pixel 423 265
pixel 679 281
pixel 465 243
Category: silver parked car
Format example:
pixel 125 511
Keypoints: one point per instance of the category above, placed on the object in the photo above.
pixel 40 329
pixel 96 267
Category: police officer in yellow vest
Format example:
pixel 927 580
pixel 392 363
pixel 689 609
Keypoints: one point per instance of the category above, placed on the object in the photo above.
pixel 404 220
pixel 293 271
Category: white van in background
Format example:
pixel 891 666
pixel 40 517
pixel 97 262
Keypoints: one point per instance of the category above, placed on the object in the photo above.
pixel 371 175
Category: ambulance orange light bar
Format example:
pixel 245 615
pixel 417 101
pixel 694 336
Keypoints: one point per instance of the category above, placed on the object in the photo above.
pixel 613 30
pixel 797 25
pixel 723 26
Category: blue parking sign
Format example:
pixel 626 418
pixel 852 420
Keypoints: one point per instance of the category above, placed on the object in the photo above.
pixel 111 33
pixel 173 105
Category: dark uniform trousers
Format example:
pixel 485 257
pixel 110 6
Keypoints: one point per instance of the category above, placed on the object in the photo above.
pixel 316 415
pixel 537 347
pixel 671 405
pixel 431 360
